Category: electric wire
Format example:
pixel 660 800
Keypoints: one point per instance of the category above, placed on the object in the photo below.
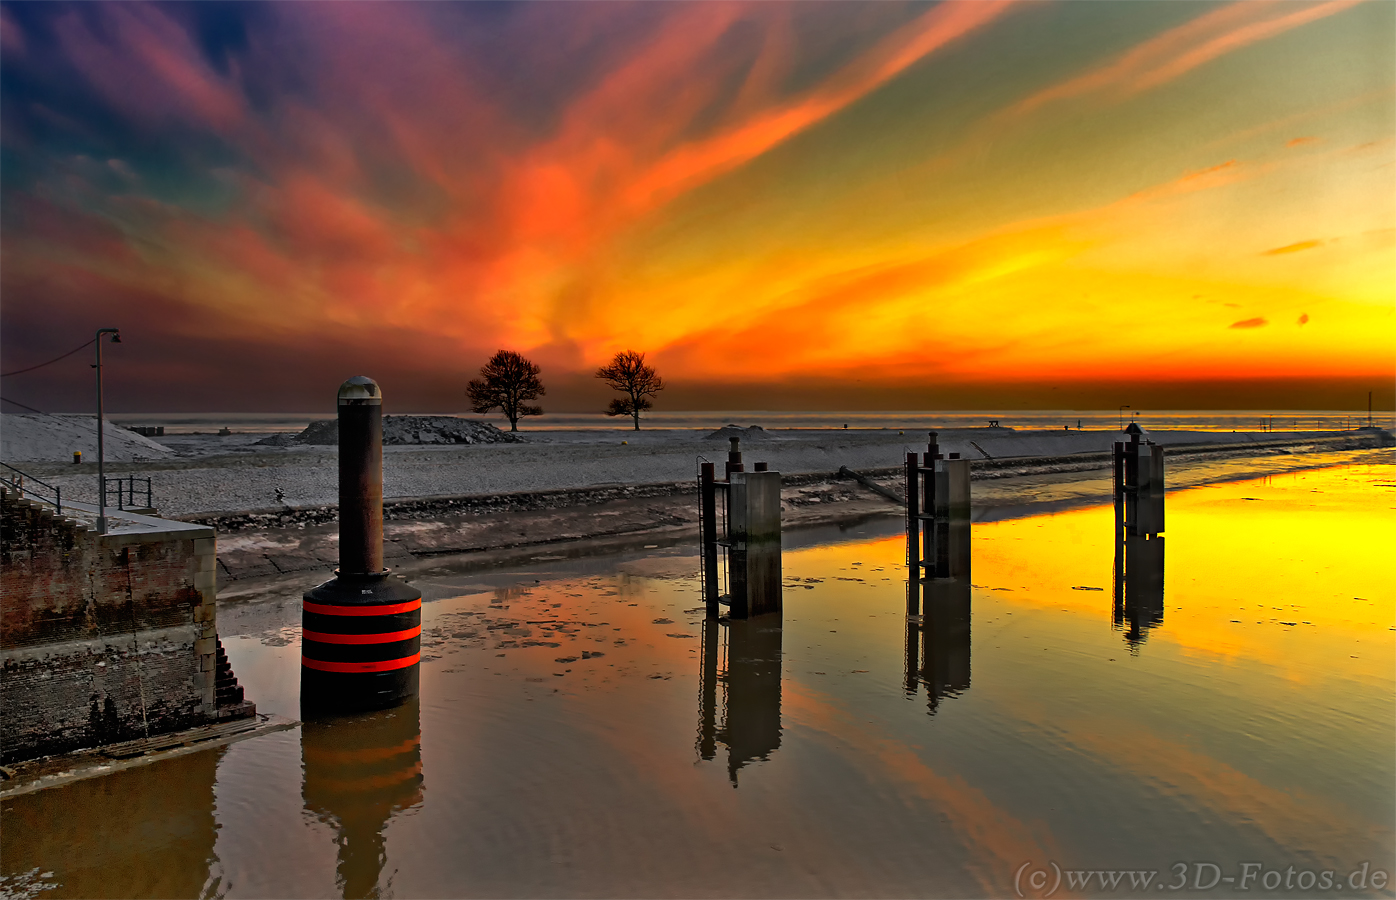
pixel 49 363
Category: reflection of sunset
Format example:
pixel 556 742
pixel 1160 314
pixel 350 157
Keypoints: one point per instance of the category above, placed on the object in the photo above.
pixel 1308 548
pixel 869 191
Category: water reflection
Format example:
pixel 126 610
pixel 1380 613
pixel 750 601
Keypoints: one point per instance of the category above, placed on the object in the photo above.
pixel 147 831
pixel 937 647
pixel 743 656
pixel 1138 586
pixel 360 771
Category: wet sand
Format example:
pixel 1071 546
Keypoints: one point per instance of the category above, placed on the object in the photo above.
pixel 495 534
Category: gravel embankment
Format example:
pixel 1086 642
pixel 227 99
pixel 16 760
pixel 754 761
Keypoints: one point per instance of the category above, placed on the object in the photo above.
pixel 206 479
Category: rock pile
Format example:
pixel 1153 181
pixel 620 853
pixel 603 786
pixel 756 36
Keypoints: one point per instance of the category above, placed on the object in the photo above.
pixel 404 430
pixel 750 433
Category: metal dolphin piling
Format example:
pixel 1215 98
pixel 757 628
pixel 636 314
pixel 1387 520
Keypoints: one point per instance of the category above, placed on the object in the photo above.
pixel 361 630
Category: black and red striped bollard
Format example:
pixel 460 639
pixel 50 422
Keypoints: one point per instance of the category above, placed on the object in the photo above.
pixel 361 631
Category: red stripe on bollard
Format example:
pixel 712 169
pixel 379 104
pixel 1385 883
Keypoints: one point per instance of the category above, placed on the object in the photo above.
pixel 386 609
pixel 384 638
pixel 385 666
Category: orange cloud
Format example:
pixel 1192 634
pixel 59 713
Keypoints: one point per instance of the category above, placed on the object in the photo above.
pixel 1257 322
pixel 1292 248
pixel 1300 141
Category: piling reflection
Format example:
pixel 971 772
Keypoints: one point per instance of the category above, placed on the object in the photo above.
pixel 148 831
pixel 938 646
pixel 1138 586
pixel 741 659
pixel 360 771
pixel 937 640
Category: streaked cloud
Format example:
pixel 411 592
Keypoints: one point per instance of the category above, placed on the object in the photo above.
pixel 1257 322
pixel 1293 248
pixel 847 186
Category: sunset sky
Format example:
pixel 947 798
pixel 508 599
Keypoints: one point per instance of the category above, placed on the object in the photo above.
pixel 894 205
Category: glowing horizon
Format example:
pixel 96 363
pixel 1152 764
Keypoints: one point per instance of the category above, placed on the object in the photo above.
pixel 969 193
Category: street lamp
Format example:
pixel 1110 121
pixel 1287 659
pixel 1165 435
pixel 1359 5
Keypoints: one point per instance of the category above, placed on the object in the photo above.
pixel 101 448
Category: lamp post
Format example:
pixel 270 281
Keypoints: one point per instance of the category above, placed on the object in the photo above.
pixel 101 447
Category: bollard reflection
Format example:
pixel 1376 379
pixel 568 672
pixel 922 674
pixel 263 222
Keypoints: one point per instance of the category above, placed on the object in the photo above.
pixel 1138 586
pixel 938 646
pixel 360 771
pixel 937 640
pixel 741 660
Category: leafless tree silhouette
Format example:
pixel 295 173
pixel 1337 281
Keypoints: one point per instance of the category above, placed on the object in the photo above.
pixel 506 383
pixel 628 374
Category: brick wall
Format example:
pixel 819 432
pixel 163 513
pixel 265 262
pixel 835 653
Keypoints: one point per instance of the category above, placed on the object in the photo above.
pixel 102 637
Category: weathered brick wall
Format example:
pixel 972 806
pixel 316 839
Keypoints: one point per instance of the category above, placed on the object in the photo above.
pixel 102 637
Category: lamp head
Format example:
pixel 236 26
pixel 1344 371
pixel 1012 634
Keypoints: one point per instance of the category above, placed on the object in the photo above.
pixel 116 338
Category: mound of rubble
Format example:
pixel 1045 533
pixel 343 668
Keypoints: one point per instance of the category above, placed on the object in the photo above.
pixel 750 433
pixel 404 430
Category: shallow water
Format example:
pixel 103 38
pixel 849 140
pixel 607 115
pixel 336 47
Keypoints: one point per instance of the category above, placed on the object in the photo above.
pixel 581 732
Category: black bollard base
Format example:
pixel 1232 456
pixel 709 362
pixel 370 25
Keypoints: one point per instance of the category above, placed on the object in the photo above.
pixel 360 644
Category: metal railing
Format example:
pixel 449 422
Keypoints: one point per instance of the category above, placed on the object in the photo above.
pixel 21 481
pixel 126 488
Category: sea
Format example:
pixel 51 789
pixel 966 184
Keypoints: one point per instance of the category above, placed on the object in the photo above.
pixel 1050 420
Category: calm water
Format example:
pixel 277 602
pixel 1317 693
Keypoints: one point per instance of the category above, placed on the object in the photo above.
pixel 1228 420
pixel 581 733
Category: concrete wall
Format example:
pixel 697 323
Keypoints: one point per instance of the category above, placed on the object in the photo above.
pixel 102 637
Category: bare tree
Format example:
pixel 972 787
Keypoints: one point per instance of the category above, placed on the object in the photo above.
pixel 628 374
pixel 506 383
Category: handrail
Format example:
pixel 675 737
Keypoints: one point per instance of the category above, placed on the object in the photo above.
pixel 16 481
pixel 125 488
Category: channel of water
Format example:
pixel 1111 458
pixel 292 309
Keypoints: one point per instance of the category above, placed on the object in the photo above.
pixel 573 738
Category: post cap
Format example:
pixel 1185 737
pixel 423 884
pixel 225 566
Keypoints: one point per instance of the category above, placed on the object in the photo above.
pixel 360 391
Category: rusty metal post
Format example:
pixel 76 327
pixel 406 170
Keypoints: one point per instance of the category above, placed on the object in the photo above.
pixel 708 498
pixel 1119 479
pixel 929 532
pixel 913 536
pixel 928 498
pixel 360 477
pixel 734 459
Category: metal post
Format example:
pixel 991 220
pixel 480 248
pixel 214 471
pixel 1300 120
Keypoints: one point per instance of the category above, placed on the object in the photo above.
pixel 360 477
pixel 1119 480
pixel 928 507
pixel 708 500
pixel 101 445
pixel 734 459
pixel 913 536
